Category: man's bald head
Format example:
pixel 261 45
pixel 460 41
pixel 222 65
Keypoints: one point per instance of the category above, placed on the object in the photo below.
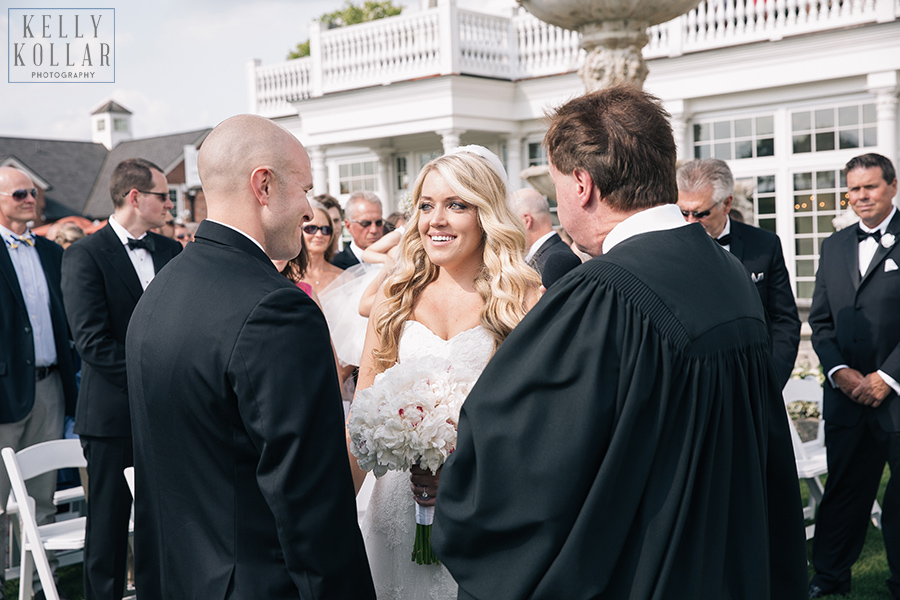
pixel 534 211
pixel 238 146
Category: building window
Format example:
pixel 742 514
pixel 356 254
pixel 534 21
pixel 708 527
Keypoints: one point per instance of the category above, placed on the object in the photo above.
pixel 819 197
pixel 731 139
pixel 427 157
pixel 402 174
pixel 537 154
pixel 760 191
pixel 120 124
pixel 834 128
pixel 101 125
pixel 358 176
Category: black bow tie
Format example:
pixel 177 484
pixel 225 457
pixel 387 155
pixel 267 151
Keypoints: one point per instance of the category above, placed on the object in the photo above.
pixel 146 244
pixel 725 240
pixel 861 235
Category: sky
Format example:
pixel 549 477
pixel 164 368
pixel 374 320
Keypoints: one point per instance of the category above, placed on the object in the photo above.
pixel 180 65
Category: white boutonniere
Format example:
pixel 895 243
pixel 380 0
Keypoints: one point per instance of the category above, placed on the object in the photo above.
pixel 887 240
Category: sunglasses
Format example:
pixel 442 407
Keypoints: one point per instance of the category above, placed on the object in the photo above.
pixel 20 195
pixel 699 215
pixel 182 236
pixel 163 196
pixel 367 224
pixel 325 229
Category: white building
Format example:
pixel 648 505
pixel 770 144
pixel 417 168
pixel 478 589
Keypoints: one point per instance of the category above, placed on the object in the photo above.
pixel 785 90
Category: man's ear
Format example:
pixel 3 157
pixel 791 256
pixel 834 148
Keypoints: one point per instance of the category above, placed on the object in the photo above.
pixel 584 186
pixel 527 221
pixel 726 204
pixel 261 181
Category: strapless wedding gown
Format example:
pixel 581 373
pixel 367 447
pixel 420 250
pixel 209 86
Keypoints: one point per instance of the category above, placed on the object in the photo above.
pixel 389 524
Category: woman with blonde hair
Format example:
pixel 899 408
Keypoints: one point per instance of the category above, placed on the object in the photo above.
pixel 459 286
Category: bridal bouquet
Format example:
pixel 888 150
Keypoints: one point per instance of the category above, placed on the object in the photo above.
pixel 409 417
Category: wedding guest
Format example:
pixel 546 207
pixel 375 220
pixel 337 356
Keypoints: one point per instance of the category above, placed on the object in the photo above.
pixel 184 232
pixel 37 383
pixel 103 277
pixel 856 334
pixel 333 207
pixel 705 195
pixel 241 469
pixel 459 287
pixel 397 219
pixel 68 234
pixel 321 239
pixel 533 210
pixel 365 224
pixel 628 439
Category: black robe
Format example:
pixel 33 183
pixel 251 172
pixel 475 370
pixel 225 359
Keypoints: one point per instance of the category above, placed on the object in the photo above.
pixel 629 440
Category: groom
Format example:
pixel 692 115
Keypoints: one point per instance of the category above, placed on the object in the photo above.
pixel 628 439
pixel 242 483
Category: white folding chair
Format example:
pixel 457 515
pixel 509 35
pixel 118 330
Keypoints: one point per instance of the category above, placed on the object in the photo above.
pixel 811 456
pixel 129 477
pixel 36 540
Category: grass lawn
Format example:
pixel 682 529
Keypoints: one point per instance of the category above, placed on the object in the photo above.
pixel 870 572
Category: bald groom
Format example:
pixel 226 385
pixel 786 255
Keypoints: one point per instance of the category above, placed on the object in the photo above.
pixel 243 486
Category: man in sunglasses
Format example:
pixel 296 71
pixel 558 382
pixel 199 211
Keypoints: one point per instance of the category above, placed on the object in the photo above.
pixel 103 277
pixel 37 375
pixel 365 224
pixel 705 190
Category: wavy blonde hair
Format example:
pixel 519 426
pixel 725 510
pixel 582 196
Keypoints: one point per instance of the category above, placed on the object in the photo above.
pixel 504 281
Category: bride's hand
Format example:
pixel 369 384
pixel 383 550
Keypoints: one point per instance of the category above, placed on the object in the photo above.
pixel 424 485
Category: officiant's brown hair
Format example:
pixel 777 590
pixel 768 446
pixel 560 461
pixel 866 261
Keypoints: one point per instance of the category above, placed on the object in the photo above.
pixel 621 136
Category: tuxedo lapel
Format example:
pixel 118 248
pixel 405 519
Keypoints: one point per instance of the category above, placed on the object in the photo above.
pixel 737 241
pixel 9 275
pixel 159 255
pixel 118 259
pixel 535 260
pixel 850 252
pixel 894 229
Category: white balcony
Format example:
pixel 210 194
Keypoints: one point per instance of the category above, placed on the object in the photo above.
pixel 447 40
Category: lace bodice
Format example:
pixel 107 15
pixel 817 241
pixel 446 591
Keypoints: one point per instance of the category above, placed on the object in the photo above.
pixel 471 348
pixel 389 524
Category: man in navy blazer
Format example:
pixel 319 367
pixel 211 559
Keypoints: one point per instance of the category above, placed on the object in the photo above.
pixel 37 374
pixel 103 277
pixel 365 224
pixel 705 189
pixel 243 484
pixel 855 319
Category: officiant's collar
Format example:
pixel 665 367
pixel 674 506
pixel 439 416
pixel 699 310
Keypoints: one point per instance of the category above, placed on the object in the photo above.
pixel 658 218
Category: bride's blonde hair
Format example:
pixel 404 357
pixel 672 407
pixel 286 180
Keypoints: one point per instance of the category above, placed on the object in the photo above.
pixel 504 281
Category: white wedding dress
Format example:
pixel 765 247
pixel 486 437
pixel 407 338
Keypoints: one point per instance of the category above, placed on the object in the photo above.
pixel 389 524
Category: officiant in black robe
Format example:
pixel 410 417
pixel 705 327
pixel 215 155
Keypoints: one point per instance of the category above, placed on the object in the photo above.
pixel 628 439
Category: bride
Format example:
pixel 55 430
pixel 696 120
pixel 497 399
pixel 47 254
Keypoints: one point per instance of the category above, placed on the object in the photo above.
pixel 458 288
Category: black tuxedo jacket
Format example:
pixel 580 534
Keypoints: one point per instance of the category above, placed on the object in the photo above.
pixel 760 251
pixel 856 320
pixel 17 339
pixel 243 486
pixel 101 289
pixel 550 246
pixel 345 258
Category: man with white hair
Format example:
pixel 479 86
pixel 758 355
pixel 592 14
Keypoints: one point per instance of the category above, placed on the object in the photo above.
pixel 241 472
pixel 705 189
pixel 365 224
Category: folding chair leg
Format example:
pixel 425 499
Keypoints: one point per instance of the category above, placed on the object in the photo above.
pixel 26 573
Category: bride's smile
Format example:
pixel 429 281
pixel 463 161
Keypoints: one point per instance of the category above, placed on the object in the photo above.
pixel 449 226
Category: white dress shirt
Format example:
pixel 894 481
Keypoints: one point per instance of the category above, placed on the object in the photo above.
pixel 658 218
pixel 36 293
pixel 140 257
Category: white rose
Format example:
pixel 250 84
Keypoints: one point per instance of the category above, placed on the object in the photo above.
pixel 887 240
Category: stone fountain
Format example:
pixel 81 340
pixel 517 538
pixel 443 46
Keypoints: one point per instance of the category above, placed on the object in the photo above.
pixel 613 33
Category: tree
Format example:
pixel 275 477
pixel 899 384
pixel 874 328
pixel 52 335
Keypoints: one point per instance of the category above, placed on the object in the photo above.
pixel 351 14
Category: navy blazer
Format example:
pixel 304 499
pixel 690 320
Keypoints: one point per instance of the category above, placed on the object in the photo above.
pixel 17 339
pixel 101 289
pixel 345 258
pixel 760 251
pixel 856 322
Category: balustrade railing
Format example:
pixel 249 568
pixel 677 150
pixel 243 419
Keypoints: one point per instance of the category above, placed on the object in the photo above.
pixel 446 40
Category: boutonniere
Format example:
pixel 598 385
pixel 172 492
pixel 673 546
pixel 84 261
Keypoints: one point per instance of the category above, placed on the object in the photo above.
pixel 887 240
